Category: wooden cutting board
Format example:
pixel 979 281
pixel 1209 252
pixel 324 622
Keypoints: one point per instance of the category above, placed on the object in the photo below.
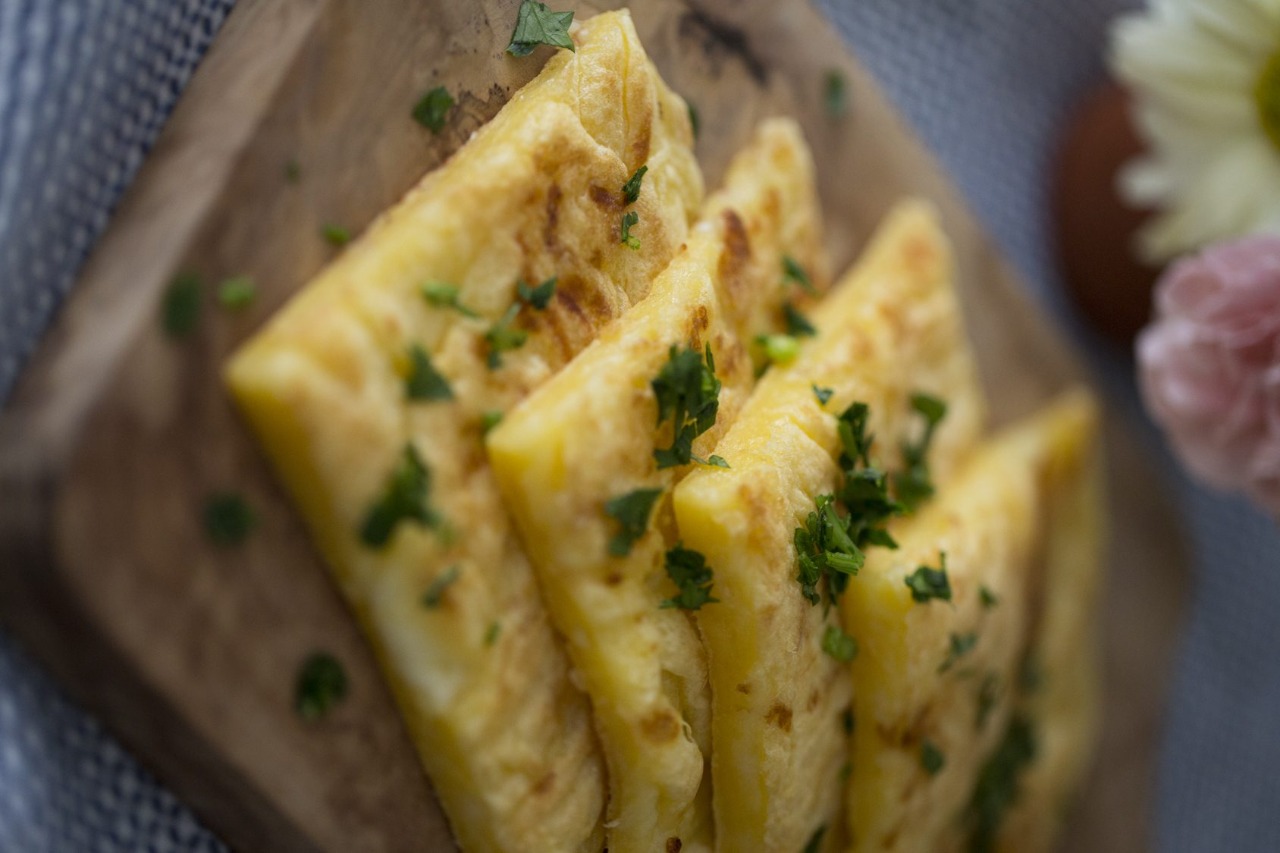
pixel 116 434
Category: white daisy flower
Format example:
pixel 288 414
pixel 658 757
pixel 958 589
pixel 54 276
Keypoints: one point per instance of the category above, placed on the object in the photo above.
pixel 1206 79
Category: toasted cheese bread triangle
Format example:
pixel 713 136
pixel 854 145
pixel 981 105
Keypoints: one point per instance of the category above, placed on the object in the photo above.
pixel 589 435
pixel 397 491
pixel 892 326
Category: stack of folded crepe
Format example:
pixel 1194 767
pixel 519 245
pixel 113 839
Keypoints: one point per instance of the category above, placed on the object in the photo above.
pixel 665 542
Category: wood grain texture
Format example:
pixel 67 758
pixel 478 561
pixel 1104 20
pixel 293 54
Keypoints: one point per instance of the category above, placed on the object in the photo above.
pixel 116 434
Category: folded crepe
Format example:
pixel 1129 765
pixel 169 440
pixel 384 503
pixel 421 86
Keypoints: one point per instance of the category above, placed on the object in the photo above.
pixel 779 701
pixel 371 390
pixel 599 432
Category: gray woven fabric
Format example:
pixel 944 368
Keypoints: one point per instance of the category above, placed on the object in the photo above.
pixel 84 87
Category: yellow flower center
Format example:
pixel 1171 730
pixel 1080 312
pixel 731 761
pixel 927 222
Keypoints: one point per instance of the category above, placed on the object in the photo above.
pixel 1266 96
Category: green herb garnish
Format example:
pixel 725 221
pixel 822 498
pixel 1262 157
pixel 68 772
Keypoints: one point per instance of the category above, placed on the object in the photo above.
pixel 535 25
pixel 798 325
pixel 913 485
pixel 846 721
pixel 503 336
pixel 443 295
pixel 834 94
pixel 815 840
pixel 228 519
pixel 779 349
pixel 926 583
pixel 425 382
pixel 823 394
pixel 238 293
pixel 987 597
pixel 182 306
pixel 492 632
pixel 714 461
pixel 435 592
pixel 433 109
pixel 292 171
pixel 987 695
pixel 1030 676
pixel 631 511
pixel 335 235
pixel 961 645
pixel 694 122
pixel 538 297
pixel 489 420
pixel 404 498
pixel 631 189
pixel 690 573
pixel 629 219
pixel 997 786
pixel 839 645
pixel 794 273
pixel 321 685
pixel 688 394
pixel 931 758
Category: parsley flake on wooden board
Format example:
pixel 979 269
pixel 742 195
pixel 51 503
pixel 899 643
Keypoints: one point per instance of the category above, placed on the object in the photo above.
pixel 631 511
pixel 404 498
pixel 228 519
pixel 335 235
pixel 322 684
pixel 182 303
pixel 535 25
pixel 835 94
pixel 432 110
pixel 688 394
pixel 692 576
pixel 237 293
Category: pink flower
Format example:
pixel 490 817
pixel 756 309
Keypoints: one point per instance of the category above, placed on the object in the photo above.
pixel 1209 365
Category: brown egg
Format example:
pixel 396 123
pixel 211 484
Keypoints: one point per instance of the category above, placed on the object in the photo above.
pixel 1094 227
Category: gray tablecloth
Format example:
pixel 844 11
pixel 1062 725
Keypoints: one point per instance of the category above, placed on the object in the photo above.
pixel 86 84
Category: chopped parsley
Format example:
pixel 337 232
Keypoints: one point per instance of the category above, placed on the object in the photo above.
pixel 931 758
pixel 926 583
pixel 823 394
pixel 425 382
pixel 913 485
pixel 1030 676
pixel 237 293
pixel 433 109
pixel 435 592
pixel 988 598
pixel 489 420
pixel 538 297
pixel 988 692
pixel 798 325
pixel 834 94
pixel 839 645
pixel 831 543
pixel 779 349
pixel 846 721
pixel 629 219
pixel 404 498
pixel 695 124
pixel 335 235
pixel 688 394
pixel 228 519
pixel 793 273
pixel 182 302
pixel 690 573
pixel 503 336
pixel 714 461
pixel 321 685
pixel 997 786
pixel 443 295
pixel 631 189
pixel 815 840
pixel 492 632
pixel 961 645
pixel 535 25
pixel 292 171
pixel 631 511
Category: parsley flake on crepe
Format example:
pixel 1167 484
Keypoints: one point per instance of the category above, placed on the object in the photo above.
pixel 913 485
pixel 538 297
pixel 692 576
pixel 823 394
pixel 404 498
pixel 629 219
pixel 441 295
pixel 435 592
pixel 503 336
pixel 798 325
pixel 794 273
pixel 425 382
pixel 931 758
pixel 631 511
pixel 433 109
pixel 688 394
pixel 535 25
pixel 779 349
pixel 961 645
pixel 928 583
pixel 322 684
pixel 839 645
